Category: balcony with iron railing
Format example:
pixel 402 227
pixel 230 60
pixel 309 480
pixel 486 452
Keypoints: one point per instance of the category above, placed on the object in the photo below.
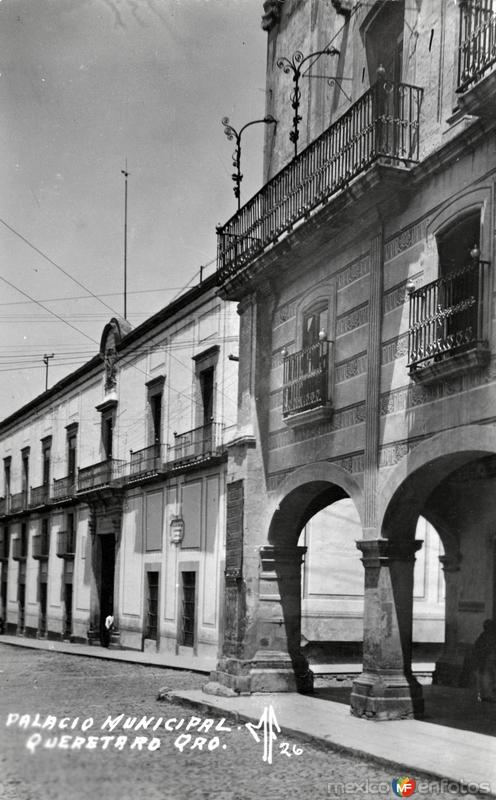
pixel 477 42
pixel 64 488
pixel 66 544
pixel 195 445
pixel 39 495
pixel 305 390
pixel 447 323
pixel 19 549
pixel 145 462
pixel 41 546
pixel 381 126
pixel 18 502
pixel 101 475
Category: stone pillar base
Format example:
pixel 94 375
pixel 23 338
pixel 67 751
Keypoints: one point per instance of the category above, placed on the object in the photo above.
pixel 115 640
pixel 382 696
pixel 266 672
pixel 93 636
pixel 453 669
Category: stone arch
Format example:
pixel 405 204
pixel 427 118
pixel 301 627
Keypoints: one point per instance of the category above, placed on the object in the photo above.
pixel 407 489
pixel 306 491
pixel 477 199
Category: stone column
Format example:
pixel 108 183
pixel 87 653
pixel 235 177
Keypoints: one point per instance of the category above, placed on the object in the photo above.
pixel 115 636
pixel 386 688
pixel 279 662
pixel 450 666
pixel 263 651
pixel 93 632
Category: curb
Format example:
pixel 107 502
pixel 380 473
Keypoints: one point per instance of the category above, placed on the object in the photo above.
pixel 320 742
pixel 26 643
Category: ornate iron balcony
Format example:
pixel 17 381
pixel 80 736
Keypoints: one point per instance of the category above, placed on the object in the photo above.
pixel 18 502
pixel 382 124
pixel 446 316
pixel 145 461
pixel 39 495
pixel 477 48
pixel 196 444
pixel 64 488
pixel 66 544
pixel 41 546
pixel 99 475
pixel 306 379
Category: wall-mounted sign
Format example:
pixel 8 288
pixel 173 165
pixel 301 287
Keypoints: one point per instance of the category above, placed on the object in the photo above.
pixel 177 530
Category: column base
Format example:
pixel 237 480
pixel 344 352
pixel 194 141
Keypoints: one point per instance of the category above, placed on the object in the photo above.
pixel 383 696
pixel 266 672
pixel 453 668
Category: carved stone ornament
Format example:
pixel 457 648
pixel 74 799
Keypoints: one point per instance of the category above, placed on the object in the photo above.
pixel 344 7
pixel 113 333
pixel 272 14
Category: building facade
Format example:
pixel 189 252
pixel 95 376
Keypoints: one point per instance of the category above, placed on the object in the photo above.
pixel 113 504
pixel 363 275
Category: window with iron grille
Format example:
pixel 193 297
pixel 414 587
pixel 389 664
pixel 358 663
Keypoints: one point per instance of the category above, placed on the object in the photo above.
pixel 187 630
pixel 152 606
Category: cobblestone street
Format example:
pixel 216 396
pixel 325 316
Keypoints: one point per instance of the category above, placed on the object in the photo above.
pixel 88 690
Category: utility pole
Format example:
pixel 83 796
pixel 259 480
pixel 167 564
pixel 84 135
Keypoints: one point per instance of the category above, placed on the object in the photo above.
pixel 126 174
pixel 46 359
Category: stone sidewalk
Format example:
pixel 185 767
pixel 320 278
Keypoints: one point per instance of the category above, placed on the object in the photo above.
pixel 407 745
pixel 169 660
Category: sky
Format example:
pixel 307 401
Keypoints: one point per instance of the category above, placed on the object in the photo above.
pixel 86 85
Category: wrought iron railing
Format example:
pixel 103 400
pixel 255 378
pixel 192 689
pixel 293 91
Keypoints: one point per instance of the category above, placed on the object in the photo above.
pixel 147 460
pixel 306 379
pixel 66 544
pixel 446 316
pixel 19 549
pixel 39 495
pixel 477 48
pixel 41 545
pixel 101 474
pixel 64 488
pixel 199 442
pixel 382 124
pixel 18 502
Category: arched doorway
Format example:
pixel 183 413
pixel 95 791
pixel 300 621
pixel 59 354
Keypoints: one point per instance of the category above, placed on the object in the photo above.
pixel 450 480
pixel 307 496
pixel 333 588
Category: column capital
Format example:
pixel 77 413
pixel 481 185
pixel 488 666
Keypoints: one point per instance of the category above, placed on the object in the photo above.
pixel 451 563
pixel 380 552
pixel 272 557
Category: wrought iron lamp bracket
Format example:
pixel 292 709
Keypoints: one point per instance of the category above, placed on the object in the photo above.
pixel 295 66
pixel 234 135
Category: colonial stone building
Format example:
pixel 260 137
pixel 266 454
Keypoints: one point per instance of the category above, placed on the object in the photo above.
pixel 114 487
pixel 363 275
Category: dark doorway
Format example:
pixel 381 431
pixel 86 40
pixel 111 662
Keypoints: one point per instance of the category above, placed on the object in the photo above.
pixel 67 611
pixel 42 623
pixel 187 632
pixel 107 544
pixel 21 601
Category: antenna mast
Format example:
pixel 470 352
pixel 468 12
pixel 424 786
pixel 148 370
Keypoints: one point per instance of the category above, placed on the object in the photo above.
pixel 126 174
